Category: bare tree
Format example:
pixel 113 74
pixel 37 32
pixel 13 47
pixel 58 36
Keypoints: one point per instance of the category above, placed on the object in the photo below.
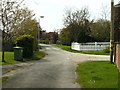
pixel 100 30
pixel 7 12
pixel 105 12
pixel 77 26
pixel 76 16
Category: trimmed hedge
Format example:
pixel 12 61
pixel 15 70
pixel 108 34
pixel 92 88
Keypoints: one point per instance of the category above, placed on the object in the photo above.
pixel 44 41
pixel 107 50
pixel 26 41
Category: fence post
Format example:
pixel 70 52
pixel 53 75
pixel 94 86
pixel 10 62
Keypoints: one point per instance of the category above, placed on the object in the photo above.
pixel 96 46
pixel 79 46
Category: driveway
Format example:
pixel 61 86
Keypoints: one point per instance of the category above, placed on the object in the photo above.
pixel 56 70
pixel 79 57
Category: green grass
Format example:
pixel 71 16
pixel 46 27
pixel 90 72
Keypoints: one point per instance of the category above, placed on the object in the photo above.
pixel 37 56
pixel 97 74
pixel 68 48
pixel 9 57
pixel 119 80
pixel 3 80
pixel 97 53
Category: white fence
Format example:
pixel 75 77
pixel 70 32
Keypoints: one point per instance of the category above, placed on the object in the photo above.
pixel 93 46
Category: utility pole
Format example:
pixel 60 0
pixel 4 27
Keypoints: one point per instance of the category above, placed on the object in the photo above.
pixel 112 32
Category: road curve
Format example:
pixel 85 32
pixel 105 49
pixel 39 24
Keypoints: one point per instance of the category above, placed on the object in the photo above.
pixel 56 70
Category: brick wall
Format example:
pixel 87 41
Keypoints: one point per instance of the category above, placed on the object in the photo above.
pixel 118 56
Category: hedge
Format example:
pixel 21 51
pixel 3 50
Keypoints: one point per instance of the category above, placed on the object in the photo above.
pixel 44 41
pixel 26 41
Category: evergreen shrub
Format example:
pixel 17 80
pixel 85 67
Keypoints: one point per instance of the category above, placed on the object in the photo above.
pixel 26 41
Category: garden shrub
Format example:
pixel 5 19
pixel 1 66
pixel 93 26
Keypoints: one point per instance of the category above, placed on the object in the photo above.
pixel 58 42
pixel 26 41
pixel 66 41
pixel 44 41
pixel 107 50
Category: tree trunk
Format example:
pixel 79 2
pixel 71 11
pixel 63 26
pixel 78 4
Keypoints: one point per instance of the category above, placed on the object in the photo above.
pixel 3 46
pixel 3 56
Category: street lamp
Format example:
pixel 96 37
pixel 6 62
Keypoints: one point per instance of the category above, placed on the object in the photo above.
pixel 41 16
pixel 112 0
pixel 39 29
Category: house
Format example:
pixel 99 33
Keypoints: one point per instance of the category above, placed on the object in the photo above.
pixel 51 36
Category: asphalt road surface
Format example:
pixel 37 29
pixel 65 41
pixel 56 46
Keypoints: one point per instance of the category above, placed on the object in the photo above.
pixel 56 70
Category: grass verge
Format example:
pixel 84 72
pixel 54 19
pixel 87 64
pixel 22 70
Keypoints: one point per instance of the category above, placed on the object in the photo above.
pixel 97 74
pixel 68 48
pixel 119 80
pixel 36 56
pixel 9 57
pixel 4 80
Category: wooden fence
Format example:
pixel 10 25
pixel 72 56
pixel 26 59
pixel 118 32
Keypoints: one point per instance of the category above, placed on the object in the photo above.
pixel 92 46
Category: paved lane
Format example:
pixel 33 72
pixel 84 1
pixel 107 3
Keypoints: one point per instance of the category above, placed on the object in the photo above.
pixel 56 70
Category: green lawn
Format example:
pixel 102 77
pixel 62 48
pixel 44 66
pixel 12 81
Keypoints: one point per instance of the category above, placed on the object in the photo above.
pixel 3 80
pixel 119 80
pixel 68 48
pixel 9 57
pixel 36 56
pixel 97 74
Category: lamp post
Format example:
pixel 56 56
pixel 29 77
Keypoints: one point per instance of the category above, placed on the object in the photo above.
pixel 112 32
pixel 39 29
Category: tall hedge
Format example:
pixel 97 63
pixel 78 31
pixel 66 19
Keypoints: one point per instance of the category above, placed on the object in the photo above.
pixel 26 41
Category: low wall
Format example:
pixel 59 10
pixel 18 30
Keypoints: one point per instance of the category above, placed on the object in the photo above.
pixel 93 46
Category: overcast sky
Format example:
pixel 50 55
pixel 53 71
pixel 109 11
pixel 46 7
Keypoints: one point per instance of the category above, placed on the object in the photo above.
pixel 53 10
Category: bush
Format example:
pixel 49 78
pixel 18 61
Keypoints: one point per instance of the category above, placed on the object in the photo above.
pixel 66 41
pixel 107 50
pixel 44 41
pixel 26 41
pixel 58 42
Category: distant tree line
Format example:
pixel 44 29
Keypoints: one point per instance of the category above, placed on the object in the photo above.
pixel 79 28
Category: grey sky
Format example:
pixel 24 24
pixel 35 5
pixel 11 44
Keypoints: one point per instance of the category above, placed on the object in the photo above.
pixel 53 10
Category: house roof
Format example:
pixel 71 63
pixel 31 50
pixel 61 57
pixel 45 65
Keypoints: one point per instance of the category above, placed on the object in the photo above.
pixel 117 5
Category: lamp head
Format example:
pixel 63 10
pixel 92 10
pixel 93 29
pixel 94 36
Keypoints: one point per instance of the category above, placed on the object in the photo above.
pixel 112 0
pixel 41 16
